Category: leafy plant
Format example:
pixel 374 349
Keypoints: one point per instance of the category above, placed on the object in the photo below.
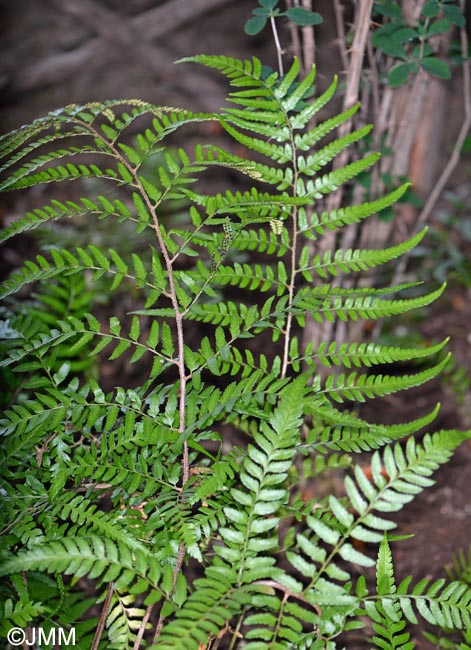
pixel 268 10
pixel 142 496
pixel 460 573
pixel 413 45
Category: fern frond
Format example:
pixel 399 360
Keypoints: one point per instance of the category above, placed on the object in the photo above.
pixel 340 431
pixel 137 476
pixel 269 129
pixel 123 621
pixel 353 214
pixel 36 144
pixel 248 533
pixel 305 141
pixel 357 387
pixel 300 120
pixel 367 354
pixel 397 477
pixel 385 613
pixel 280 153
pixel 63 173
pixel 263 474
pixel 252 202
pixel 19 614
pixel 240 73
pixel 82 332
pixel 221 475
pixel 57 210
pixel 253 277
pixel 279 176
pixel 65 262
pixel 344 261
pixel 333 180
pixel 367 307
pixel 222 313
pixel 91 556
pixel 24 177
pixel 205 613
pixel 17 139
pixel 262 242
pixel 85 519
pixel 444 605
pixel 314 162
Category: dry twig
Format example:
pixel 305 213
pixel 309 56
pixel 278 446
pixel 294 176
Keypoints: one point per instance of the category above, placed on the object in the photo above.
pixel 103 616
pixel 455 154
pixel 312 331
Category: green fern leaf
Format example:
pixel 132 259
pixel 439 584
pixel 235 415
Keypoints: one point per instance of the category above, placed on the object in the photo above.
pixel 91 556
pixel 354 214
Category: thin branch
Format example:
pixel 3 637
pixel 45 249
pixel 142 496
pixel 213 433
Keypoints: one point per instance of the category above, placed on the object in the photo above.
pixel 455 154
pixel 294 263
pixel 353 74
pixel 176 571
pixel 279 50
pixel 412 10
pixel 338 9
pixel 362 30
pixel 407 127
pixel 309 43
pixel 295 40
pixel 142 628
pixel 103 616
pixel 236 630
pixel 352 91
pixel 464 130
pixel 374 88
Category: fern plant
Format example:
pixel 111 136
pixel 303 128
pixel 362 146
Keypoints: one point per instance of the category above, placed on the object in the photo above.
pixel 140 496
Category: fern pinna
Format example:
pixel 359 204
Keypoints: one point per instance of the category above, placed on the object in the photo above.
pixel 186 540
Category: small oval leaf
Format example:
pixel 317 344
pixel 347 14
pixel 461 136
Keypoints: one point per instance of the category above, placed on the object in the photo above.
pixel 303 17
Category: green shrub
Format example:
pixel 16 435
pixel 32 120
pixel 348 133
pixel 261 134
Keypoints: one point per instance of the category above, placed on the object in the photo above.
pixel 139 500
